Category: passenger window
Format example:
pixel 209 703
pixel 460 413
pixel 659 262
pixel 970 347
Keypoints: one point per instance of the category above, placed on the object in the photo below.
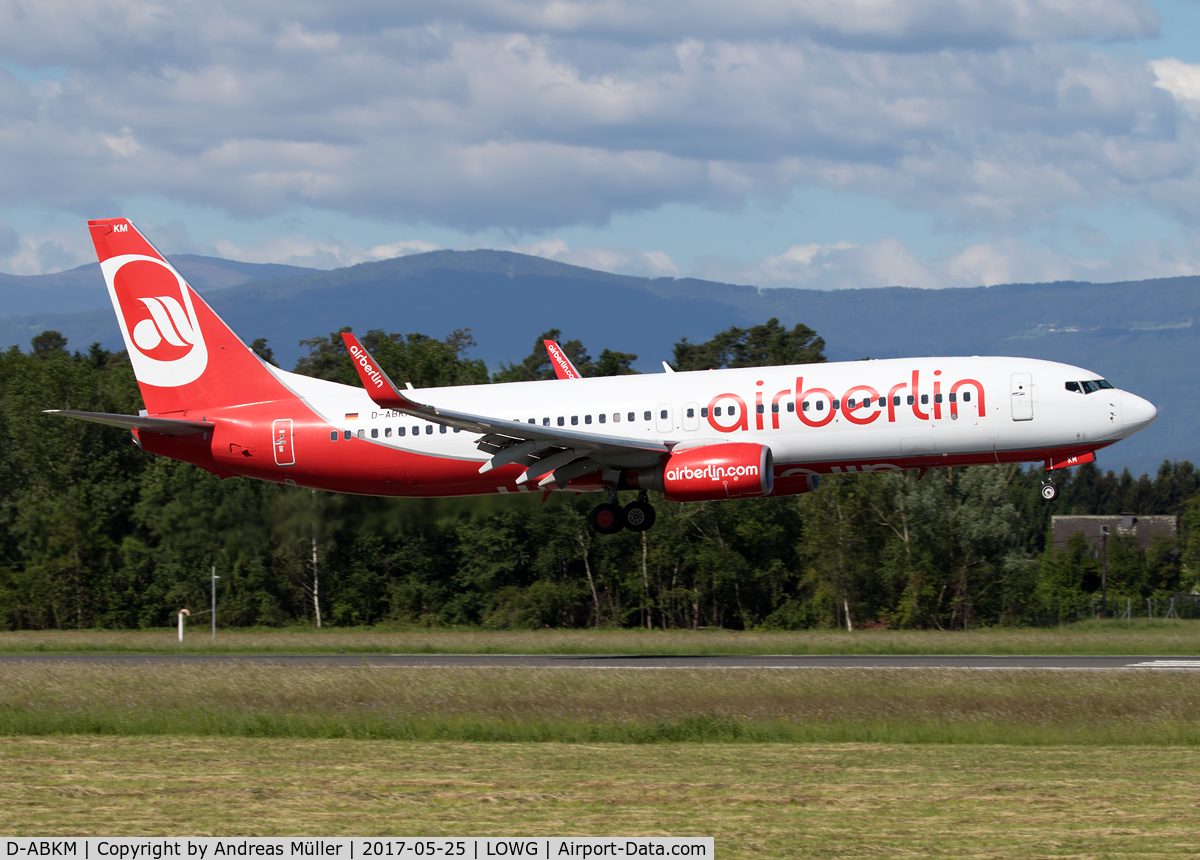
pixel 732 410
pixel 883 401
pixel 561 421
pixel 791 406
pixel 953 397
pixel 775 408
pixel 362 434
pixel 895 399
pixel 602 417
pixel 616 418
pixel 574 420
pixel 387 432
pixel 587 419
pixel 442 428
pixel 703 411
pixel 1074 386
pixel 545 422
pixel 836 404
pixel 374 432
pixel 416 430
pixel 662 414
pixel 911 400
pixel 400 431
pixel 333 436
pixel 761 409
pixel 820 405
pixel 937 398
pixel 804 406
pixel 851 403
pixel 966 397
pixel 428 429
pixel 630 416
pixel 646 415
pixel 717 412
pixel 691 413
pixel 346 435
pixel 924 399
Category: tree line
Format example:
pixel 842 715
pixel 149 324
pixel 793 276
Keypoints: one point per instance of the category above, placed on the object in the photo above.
pixel 96 533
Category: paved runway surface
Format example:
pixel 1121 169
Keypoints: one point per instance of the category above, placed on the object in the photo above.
pixel 603 661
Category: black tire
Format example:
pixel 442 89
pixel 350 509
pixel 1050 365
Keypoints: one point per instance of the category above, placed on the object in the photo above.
pixel 607 519
pixel 639 516
pixel 1049 492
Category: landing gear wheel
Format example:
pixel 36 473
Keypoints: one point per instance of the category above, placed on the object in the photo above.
pixel 608 519
pixel 1049 492
pixel 639 516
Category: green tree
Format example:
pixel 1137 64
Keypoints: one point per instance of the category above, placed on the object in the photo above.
pixel 765 345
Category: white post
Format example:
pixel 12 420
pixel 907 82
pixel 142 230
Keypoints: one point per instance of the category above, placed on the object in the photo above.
pixel 182 612
pixel 214 602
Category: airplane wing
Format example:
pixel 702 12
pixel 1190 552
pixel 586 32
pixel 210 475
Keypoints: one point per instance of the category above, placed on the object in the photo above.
pixel 563 368
pixel 554 454
pixel 170 426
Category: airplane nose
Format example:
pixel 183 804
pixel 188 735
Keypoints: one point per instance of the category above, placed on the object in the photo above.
pixel 1137 412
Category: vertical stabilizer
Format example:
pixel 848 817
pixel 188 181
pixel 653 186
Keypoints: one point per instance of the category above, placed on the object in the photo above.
pixel 183 354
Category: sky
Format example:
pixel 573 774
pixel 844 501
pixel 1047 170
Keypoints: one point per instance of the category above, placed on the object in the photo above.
pixel 825 144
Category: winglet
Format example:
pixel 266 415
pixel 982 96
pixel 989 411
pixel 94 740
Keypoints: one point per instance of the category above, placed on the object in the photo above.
pixel 563 368
pixel 382 390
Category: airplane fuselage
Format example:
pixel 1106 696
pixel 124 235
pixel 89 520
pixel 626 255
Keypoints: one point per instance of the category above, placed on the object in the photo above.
pixel 817 419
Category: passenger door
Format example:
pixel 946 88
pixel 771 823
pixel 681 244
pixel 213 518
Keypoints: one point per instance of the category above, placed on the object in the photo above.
pixel 1022 396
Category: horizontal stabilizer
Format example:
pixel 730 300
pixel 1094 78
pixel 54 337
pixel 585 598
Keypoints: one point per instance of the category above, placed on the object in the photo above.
pixel 170 426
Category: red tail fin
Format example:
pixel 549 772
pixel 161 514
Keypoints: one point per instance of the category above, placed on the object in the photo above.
pixel 185 358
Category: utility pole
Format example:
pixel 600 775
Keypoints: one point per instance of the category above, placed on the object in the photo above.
pixel 214 602
pixel 316 581
pixel 1104 571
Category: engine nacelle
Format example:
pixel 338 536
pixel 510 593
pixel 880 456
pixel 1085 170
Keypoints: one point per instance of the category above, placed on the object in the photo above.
pixel 731 470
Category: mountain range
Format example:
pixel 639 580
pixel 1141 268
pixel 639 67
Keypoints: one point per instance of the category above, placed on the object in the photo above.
pixel 1140 335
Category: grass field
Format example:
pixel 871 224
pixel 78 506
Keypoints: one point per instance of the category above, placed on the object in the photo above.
pixel 760 801
pixel 615 706
pixel 1167 638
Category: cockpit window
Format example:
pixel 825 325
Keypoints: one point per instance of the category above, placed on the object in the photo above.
pixel 1088 386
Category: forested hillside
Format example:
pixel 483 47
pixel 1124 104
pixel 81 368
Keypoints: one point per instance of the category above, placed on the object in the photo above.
pixel 93 532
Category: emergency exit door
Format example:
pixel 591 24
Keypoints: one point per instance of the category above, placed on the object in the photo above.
pixel 1022 396
pixel 281 430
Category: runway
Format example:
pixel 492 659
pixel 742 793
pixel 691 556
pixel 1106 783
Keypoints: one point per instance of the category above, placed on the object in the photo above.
pixel 626 661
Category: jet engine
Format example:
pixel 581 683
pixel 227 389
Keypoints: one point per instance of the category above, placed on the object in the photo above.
pixel 731 470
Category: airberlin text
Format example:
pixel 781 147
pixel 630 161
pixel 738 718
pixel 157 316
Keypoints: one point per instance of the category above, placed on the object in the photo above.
pixel 714 472
pixel 859 404
pixel 364 361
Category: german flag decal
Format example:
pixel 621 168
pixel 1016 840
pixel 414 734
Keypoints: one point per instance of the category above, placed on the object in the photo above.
pixel 351 416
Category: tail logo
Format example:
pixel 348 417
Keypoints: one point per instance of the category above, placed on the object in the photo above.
pixel 157 319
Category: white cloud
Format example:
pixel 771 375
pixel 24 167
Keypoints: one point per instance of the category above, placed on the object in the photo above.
pixel 529 115
pixel 1180 79
pixel 609 258
pixel 317 254
pixel 888 262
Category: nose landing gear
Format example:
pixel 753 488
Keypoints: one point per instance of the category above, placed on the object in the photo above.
pixel 1049 491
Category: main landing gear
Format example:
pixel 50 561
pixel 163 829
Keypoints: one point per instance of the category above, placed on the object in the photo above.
pixel 609 518
pixel 1049 491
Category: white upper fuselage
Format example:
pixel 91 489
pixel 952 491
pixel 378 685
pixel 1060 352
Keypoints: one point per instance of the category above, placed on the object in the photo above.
pixel 1026 407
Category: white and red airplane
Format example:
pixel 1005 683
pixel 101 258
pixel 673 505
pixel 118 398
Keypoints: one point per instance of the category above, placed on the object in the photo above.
pixel 708 435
